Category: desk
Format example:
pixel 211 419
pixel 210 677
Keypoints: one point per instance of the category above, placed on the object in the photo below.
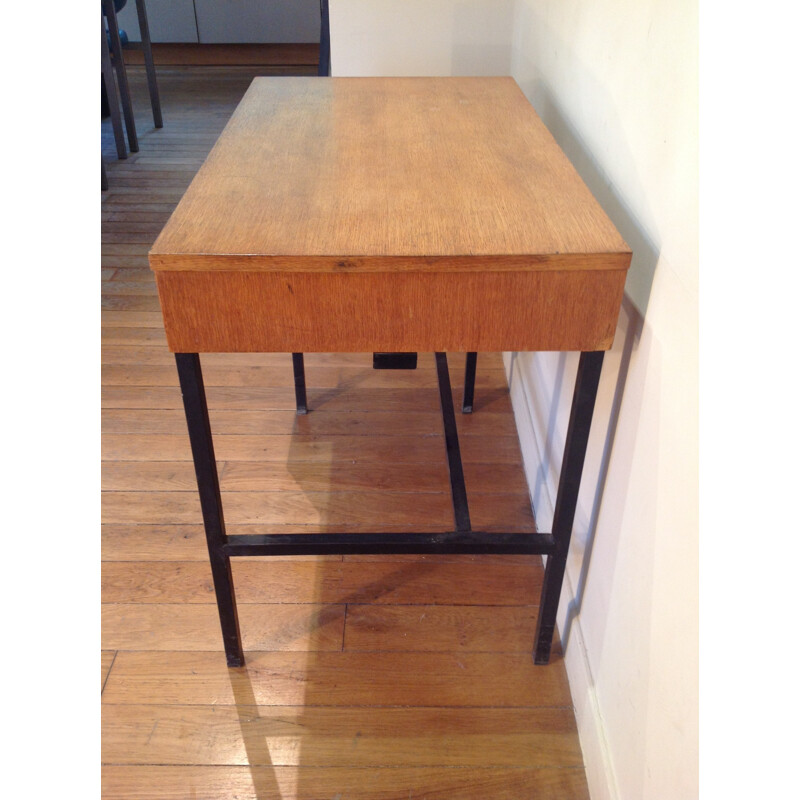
pixel 389 214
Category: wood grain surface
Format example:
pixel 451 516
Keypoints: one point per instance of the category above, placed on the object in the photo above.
pixel 407 174
pixel 336 737
pixel 381 582
pixel 106 660
pixel 231 311
pixel 195 626
pixel 410 679
pixel 310 783
pixel 384 214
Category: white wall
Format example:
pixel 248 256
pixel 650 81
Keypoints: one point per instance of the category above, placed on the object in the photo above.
pixel 616 83
pixel 421 37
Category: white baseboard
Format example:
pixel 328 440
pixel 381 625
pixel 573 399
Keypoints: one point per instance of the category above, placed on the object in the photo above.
pixel 591 729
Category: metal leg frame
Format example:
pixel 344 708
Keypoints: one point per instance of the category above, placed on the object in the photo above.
pixel 458 488
pixel 580 421
pixel 462 540
pixel 205 466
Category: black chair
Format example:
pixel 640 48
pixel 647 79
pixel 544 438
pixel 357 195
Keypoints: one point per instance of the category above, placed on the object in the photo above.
pixel 324 40
pixel 110 93
pixel 113 43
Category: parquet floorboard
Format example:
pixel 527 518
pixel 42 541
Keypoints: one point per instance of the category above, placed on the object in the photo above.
pixel 367 677
pixel 308 783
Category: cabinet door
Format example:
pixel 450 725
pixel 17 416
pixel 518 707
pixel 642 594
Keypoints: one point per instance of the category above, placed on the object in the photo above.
pixel 256 21
pixel 169 21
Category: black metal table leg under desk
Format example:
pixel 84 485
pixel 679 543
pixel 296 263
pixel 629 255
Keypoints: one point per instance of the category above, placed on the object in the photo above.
pixel 458 488
pixel 580 422
pixel 205 465
pixel 469 383
pixel 462 540
pixel 299 383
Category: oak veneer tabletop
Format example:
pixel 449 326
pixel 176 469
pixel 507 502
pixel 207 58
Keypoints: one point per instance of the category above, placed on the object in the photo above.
pixel 357 174
pixel 388 214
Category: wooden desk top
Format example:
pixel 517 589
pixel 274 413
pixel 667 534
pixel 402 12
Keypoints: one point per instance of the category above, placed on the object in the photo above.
pixel 419 179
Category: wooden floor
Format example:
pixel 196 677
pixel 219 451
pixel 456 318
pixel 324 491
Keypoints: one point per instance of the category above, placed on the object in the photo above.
pixel 367 677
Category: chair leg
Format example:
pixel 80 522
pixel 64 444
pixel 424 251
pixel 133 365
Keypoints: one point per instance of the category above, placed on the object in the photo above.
pixel 469 383
pixel 122 76
pixel 110 88
pixel 150 68
pixel 324 40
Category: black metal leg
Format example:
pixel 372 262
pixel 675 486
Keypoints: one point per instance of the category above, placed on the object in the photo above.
pixel 469 383
pixel 324 40
pixel 458 488
pixel 205 465
pixel 299 383
pixel 580 422
pixel 150 68
pixel 122 77
pixel 463 540
pixel 110 89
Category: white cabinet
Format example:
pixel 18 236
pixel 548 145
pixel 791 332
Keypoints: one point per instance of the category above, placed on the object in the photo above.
pixel 240 21
pixel 226 21
pixel 169 21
